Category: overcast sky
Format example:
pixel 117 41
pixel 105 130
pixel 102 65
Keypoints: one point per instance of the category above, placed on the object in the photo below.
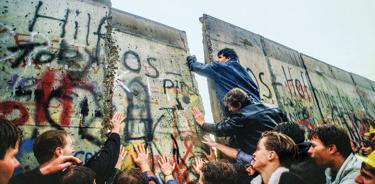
pixel 338 32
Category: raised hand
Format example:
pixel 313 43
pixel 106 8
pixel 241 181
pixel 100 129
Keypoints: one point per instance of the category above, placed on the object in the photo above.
pixel 116 120
pixel 197 166
pixel 121 157
pixel 198 116
pixel 59 164
pixel 166 166
pixel 207 140
pixel 142 159
pixel 210 156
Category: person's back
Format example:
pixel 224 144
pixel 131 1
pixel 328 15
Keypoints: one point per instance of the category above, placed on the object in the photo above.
pixel 255 119
pixel 230 75
pixel 227 74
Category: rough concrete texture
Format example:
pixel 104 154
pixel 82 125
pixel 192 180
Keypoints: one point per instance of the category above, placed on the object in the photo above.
pixel 68 65
pixel 217 35
pixel 155 88
pixel 311 92
pixel 52 66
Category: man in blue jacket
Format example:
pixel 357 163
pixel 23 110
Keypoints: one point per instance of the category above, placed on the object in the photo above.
pixel 227 74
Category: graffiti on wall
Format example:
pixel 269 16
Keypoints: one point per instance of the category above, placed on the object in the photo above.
pixel 51 66
pixel 156 92
pixel 309 96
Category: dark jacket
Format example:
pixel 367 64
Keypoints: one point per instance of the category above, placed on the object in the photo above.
pixel 102 163
pixel 246 125
pixel 303 163
pixel 227 76
pixel 290 178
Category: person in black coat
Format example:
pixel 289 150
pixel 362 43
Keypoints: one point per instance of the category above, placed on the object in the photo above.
pixel 53 144
pixel 245 123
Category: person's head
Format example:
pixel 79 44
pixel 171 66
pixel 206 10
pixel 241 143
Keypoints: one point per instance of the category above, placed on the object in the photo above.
pixel 226 54
pixel 366 147
pixel 78 175
pixel 132 176
pixel 218 172
pixel 328 144
pixel 367 173
pixel 51 144
pixel 10 139
pixel 293 130
pixel 235 99
pixel 273 150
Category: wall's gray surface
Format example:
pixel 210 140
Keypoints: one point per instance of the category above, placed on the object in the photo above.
pixel 218 35
pixel 291 83
pixel 52 63
pixel 154 86
pixel 64 65
pixel 310 91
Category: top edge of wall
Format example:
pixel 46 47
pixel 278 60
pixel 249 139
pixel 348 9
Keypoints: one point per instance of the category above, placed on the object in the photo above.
pixel 341 74
pixel 103 2
pixel 317 66
pixel 246 38
pixel 237 35
pixel 282 52
pixel 133 24
pixel 361 81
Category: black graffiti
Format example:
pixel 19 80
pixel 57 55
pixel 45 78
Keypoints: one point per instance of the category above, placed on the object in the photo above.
pixel 132 62
pixel 260 76
pixel 83 130
pixel 167 84
pixel 38 16
pixel 156 75
pixel 44 56
pixel 269 95
pixel 88 28
pixel 69 55
pixel 25 49
pixel 137 93
pixel 126 59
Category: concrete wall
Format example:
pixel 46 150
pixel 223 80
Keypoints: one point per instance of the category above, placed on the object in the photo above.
pixel 52 62
pixel 67 65
pixel 155 88
pixel 311 92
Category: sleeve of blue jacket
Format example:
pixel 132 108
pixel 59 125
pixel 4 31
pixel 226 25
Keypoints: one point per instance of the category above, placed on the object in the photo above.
pixel 206 70
pixel 172 182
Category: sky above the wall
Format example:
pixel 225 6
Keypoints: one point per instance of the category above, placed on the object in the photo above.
pixel 338 32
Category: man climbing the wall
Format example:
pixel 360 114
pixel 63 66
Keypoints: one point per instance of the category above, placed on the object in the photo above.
pixel 227 74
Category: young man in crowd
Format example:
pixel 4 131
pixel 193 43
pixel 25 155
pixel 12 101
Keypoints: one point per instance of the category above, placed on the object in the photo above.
pixel 215 172
pixel 227 74
pixel 51 145
pixel 367 173
pixel 331 149
pixel 11 138
pixel 274 154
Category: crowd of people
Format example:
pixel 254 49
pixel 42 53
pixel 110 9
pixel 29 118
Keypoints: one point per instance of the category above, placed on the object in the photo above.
pixel 263 146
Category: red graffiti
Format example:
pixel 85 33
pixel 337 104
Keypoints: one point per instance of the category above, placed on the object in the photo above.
pixel 44 89
pixel 306 124
pixel 66 100
pixel 18 40
pixel 45 92
pixel 7 107
pixel 181 171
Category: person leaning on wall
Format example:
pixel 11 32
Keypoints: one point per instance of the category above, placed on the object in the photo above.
pixel 227 74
